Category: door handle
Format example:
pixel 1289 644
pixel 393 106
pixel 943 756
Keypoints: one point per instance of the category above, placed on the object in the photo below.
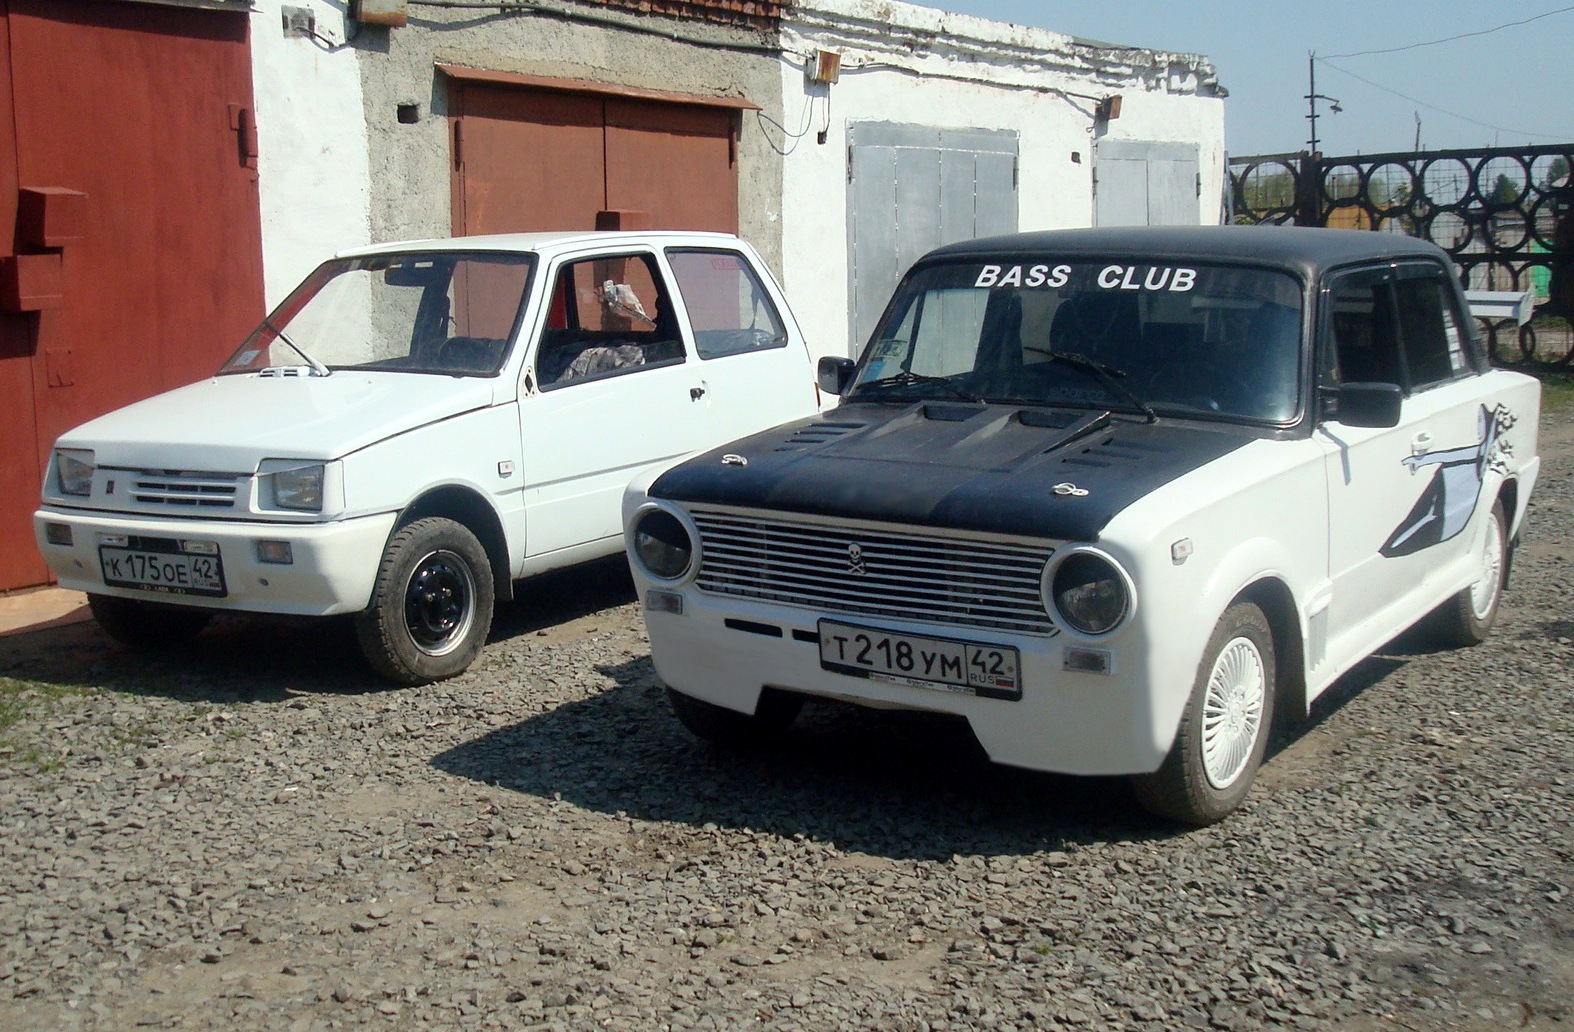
pixel 1421 443
pixel 696 393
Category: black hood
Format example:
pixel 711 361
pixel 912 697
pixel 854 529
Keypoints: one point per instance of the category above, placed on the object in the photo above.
pixel 991 468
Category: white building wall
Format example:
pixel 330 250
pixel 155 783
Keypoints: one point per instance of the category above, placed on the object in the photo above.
pixel 313 174
pixel 908 64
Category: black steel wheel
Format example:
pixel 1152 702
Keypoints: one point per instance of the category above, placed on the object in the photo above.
pixel 431 605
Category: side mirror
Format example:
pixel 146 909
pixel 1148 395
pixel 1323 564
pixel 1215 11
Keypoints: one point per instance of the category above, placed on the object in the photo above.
pixel 834 374
pixel 1367 404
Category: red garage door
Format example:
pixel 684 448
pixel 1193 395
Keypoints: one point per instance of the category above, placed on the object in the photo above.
pixel 547 154
pixel 129 125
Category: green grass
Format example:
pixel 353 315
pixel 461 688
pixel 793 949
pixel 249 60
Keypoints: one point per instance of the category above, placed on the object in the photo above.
pixel 1557 392
pixel 29 700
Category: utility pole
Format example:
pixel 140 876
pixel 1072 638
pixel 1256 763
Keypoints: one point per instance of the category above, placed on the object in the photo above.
pixel 1312 97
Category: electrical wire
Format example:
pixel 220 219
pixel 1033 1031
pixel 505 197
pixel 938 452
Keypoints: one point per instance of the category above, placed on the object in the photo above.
pixel 1450 39
pixel 1434 107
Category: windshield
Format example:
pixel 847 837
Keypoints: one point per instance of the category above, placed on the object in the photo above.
pixel 1173 338
pixel 430 312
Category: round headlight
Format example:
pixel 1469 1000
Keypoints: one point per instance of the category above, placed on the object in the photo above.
pixel 1090 593
pixel 662 544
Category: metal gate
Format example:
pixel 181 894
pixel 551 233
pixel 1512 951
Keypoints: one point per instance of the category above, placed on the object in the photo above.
pixel 1506 216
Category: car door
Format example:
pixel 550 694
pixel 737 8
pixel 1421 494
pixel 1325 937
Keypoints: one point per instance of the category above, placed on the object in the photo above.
pixel 609 391
pixel 1393 502
pixel 754 367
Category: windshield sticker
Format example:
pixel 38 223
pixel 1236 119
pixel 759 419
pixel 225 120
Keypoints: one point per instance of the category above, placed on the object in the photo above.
pixel 1152 278
pixel 1023 276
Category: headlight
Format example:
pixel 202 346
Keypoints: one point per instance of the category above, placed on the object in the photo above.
pixel 292 485
pixel 662 544
pixel 74 471
pixel 1089 593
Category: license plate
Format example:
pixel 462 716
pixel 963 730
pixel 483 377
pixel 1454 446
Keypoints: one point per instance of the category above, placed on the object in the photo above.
pixel 163 567
pixel 965 667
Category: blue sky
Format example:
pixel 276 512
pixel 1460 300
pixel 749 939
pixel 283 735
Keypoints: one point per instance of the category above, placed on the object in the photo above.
pixel 1505 88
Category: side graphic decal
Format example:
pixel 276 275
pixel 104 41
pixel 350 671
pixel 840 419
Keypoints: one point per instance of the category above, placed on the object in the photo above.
pixel 1448 500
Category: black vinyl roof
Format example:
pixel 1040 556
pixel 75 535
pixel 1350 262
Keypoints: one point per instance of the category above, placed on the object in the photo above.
pixel 1306 250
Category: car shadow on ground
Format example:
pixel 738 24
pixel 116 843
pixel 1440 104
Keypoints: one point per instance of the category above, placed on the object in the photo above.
pixel 563 596
pixel 896 784
pixel 235 659
pixel 241 658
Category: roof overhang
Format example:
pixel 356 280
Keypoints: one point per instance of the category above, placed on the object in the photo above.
pixel 545 82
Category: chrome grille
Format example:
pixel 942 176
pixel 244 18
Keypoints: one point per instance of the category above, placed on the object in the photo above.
pixel 951 580
pixel 185 490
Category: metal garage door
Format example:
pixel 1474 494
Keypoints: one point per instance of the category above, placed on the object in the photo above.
pixel 912 188
pixel 1137 183
pixel 143 113
pixel 542 154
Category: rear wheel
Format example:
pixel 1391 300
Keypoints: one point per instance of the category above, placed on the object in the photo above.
pixel 1467 618
pixel 146 626
pixel 431 605
pixel 726 727
pixel 1224 731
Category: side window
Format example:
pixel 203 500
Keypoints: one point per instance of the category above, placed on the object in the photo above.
pixel 1364 347
pixel 728 307
pixel 1433 345
pixel 608 315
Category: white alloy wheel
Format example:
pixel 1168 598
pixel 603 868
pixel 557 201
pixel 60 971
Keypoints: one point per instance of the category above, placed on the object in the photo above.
pixel 1224 729
pixel 1484 592
pixel 1232 711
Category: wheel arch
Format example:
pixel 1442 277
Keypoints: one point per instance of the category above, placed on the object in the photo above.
pixel 1274 598
pixel 471 510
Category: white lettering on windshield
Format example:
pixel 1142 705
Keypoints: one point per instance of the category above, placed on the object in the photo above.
pixel 1020 276
pixel 1153 278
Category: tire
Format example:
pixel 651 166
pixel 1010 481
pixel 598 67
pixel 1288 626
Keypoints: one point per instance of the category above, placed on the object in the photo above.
pixel 1224 731
pixel 147 626
pixel 729 728
pixel 1467 618
pixel 431 605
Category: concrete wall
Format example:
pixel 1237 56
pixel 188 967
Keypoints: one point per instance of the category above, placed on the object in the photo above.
pixel 904 63
pixel 312 166
pixel 338 169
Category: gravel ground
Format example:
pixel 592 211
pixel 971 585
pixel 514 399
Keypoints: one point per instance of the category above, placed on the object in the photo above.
pixel 255 833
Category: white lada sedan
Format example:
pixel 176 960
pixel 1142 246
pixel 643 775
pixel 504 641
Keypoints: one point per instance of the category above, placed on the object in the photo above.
pixel 1116 497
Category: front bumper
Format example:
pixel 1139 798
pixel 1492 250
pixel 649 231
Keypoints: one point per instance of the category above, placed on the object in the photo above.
pixel 725 650
pixel 332 571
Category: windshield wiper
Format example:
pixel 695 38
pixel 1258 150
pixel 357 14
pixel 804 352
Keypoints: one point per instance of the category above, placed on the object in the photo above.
pixel 1109 376
pixel 907 376
pixel 318 369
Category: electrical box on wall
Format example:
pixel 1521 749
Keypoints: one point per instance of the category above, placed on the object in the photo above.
pixel 827 67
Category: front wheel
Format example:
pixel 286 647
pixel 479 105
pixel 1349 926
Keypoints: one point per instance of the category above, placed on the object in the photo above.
pixel 431 604
pixel 146 626
pixel 1467 618
pixel 1224 731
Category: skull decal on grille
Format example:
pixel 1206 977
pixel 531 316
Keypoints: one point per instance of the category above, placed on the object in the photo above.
pixel 855 560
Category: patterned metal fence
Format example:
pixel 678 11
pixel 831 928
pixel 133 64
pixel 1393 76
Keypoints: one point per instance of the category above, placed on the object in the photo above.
pixel 1505 215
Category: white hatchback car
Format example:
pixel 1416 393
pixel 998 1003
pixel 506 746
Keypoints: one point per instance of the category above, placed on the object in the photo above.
pixel 417 426
pixel 1113 496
